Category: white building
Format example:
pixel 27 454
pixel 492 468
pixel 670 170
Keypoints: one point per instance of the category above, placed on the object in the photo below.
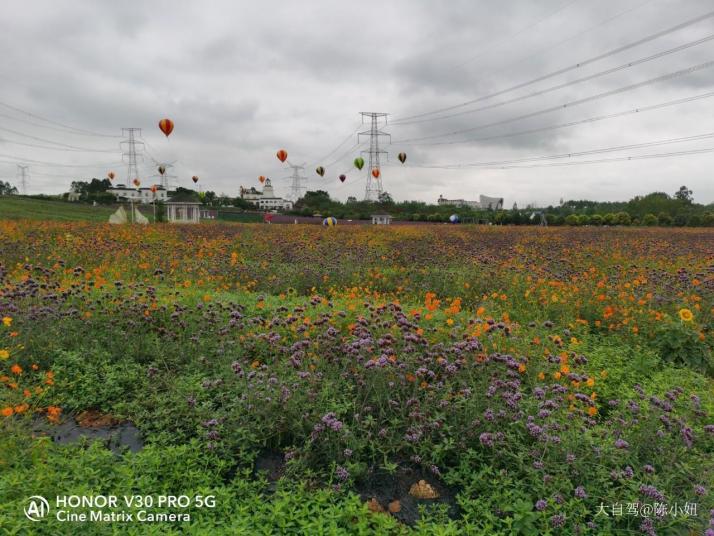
pixel 265 200
pixel 484 202
pixel 138 195
pixel 381 219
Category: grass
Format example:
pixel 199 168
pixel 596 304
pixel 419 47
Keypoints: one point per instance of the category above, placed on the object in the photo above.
pixel 17 207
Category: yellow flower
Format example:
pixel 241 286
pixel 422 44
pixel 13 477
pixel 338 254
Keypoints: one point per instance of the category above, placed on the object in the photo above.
pixel 7 321
pixel 686 315
pixel 4 354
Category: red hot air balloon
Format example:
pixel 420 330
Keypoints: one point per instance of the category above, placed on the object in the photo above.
pixel 136 182
pixel 402 157
pixel 282 155
pixel 261 179
pixel 375 173
pixel 194 179
pixel 154 188
pixel 342 178
pixel 166 126
pixel 110 175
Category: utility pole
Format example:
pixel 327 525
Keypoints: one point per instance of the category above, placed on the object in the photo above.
pixel 129 154
pixel 374 172
pixel 22 175
pixel 297 178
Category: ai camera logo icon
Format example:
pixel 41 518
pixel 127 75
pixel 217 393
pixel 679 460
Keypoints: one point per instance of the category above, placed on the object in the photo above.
pixel 37 508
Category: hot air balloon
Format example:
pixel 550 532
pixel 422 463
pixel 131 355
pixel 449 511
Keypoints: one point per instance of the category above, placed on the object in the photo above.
pixel 320 171
pixel 329 221
pixel 162 170
pixel 454 218
pixel 136 182
pixel 402 157
pixel 342 178
pixel 110 175
pixel 375 173
pixel 194 178
pixel 153 188
pixel 359 162
pixel 166 126
pixel 282 155
pixel 261 179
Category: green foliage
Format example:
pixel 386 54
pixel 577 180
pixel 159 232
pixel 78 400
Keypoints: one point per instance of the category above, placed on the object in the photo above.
pixel 679 344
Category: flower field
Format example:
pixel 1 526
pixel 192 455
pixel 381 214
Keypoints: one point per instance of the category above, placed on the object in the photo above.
pixel 364 380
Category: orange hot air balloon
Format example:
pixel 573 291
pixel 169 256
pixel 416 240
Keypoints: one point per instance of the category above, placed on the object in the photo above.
pixel 282 155
pixel 154 188
pixel 375 173
pixel 261 179
pixel 166 126
pixel 194 179
pixel 136 182
pixel 110 175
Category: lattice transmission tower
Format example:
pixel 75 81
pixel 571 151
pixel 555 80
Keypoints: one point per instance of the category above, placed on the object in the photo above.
pixel 22 176
pixel 129 152
pixel 296 185
pixel 373 188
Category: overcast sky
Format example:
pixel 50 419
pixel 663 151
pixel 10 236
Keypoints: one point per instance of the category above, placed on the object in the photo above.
pixel 243 79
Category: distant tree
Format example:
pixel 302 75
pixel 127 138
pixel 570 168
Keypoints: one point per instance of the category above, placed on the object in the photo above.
pixel 571 219
pixel 385 198
pixel 609 219
pixel 623 218
pixel 695 220
pixel 664 219
pixel 708 219
pixel 684 194
pixel 649 220
pixel 7 189
pixel 596 219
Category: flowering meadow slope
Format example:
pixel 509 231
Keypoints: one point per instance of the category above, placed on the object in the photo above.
pixel 536 380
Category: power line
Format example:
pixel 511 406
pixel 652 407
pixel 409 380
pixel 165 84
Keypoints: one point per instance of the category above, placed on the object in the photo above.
pixel 333 151
pixel 615 159
pixel 53 164
pixel 498 164
pixel 571 123
pixel 576 35
pixel 587 78
pixel 68 127
pixel 532 25
pixel 669 76
pixel 61 146
pixel 564 70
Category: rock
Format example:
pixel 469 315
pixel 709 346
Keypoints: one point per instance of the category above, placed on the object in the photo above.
pixel 374 506
pixel 423 490
pixel 395 507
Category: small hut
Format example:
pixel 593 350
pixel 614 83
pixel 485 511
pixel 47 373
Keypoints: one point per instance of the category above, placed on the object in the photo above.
pixel 381 219
pixel 183 208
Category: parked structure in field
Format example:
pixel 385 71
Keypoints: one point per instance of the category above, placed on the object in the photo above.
pixel 485 202
pixel 183 208
pixel 265 200
pixel 381 219
pixel 138 195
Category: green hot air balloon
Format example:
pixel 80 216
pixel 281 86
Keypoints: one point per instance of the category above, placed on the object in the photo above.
pixel 359 162
pixel 320 171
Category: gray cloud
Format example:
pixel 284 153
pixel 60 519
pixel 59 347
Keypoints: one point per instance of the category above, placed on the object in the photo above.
pixel 242 79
